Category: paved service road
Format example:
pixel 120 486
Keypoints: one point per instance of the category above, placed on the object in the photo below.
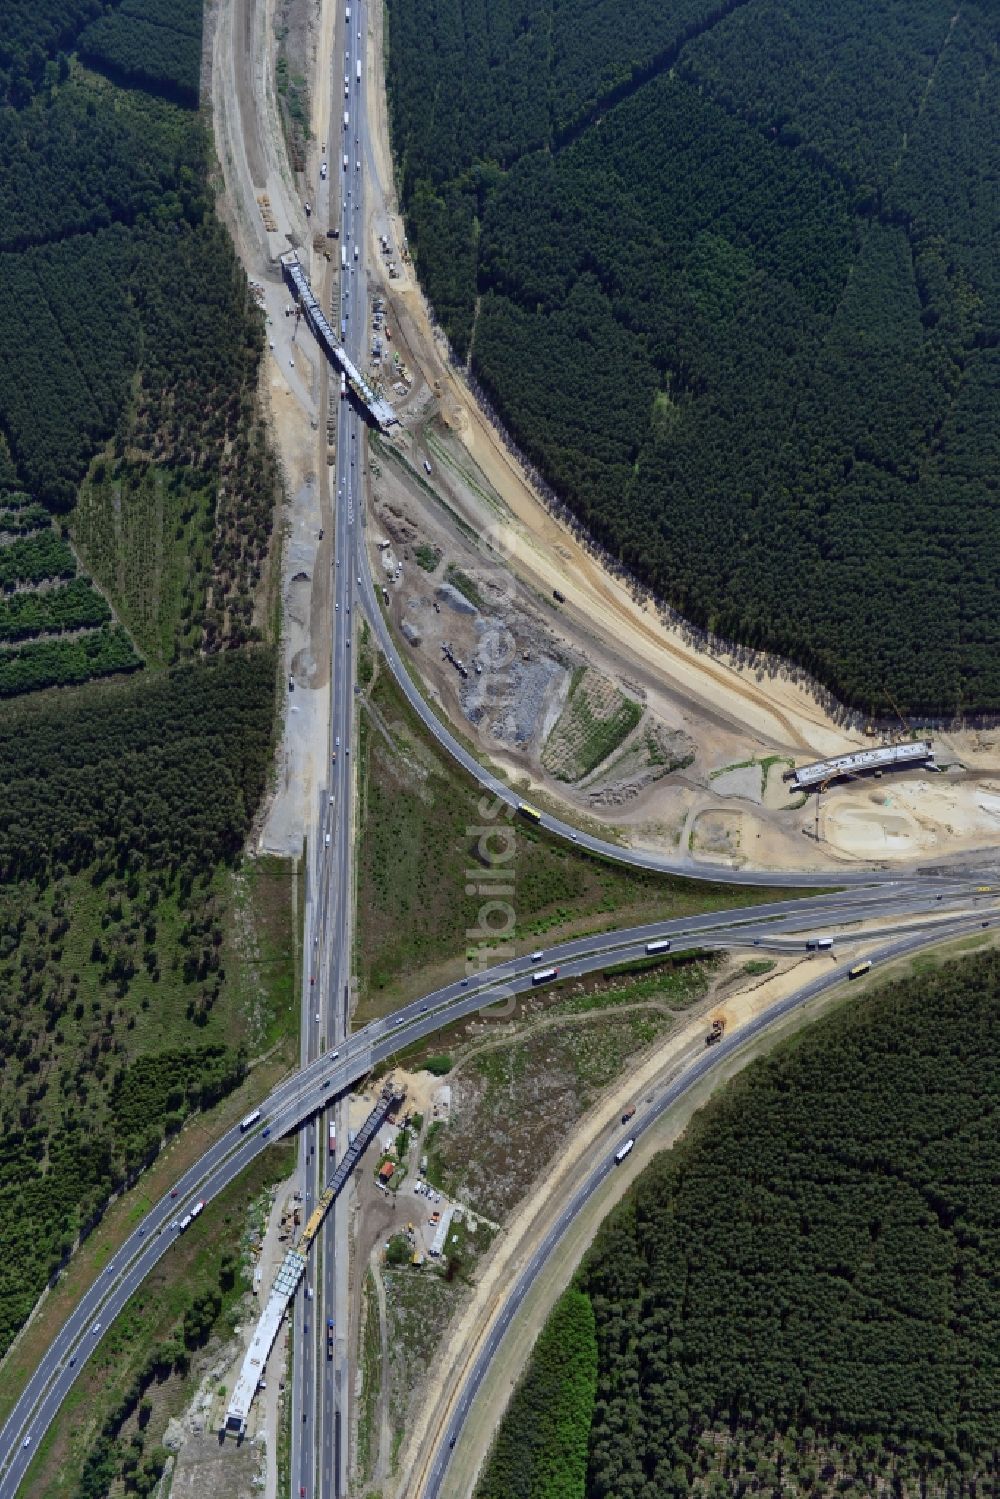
pixel 889 896
pixel 775 926
pixel 437 1485
pixel 634 858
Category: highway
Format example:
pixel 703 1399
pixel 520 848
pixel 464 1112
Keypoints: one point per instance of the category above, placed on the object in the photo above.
pixel 633 858
pixel 777 926
pixel 320 1388
pixel 461 1404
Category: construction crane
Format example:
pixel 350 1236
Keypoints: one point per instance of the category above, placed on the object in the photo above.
pixel 904 726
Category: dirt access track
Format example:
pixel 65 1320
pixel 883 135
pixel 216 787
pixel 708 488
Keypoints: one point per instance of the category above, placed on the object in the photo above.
pixel 598 1131
pixel 765 709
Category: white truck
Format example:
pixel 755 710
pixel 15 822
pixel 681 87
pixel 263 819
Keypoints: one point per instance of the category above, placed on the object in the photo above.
pixel 347 119
pixel 358 74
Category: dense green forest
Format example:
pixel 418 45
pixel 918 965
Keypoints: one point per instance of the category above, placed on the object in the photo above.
pixel 121 806
pixel 154 370
pixel 801 1297
pixel 129 436
pixel 154 43
pixel 729 273
pixel 541 1449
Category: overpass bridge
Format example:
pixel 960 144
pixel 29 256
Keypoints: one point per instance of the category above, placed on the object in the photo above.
pixel 292 1267
pixel 859 762
pixel 377 407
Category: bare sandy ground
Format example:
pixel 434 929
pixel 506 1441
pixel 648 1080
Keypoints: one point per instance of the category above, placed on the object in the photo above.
pixel 779 712
pixel 251 152
pixel 913 817
pixel 597 1130
pixel 733 710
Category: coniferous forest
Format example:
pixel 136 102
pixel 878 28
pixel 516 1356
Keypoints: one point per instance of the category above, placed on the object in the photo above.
pixel 729 274
pixel 137 504
pixel 800 1298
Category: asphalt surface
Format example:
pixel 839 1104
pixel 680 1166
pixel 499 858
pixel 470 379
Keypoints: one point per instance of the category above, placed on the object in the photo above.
pixel 634 858
pixel 604 1166
pixel 778 926
pixel 319 1388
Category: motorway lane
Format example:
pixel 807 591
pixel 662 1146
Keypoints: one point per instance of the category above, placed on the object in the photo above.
pixel 780 920
pixel 149 1243
pixel 323 1389
pixel 635 858
pixel 604 1166
pixel 309 1090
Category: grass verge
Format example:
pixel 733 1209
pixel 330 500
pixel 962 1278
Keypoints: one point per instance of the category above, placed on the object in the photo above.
pixel 371 1367
pixel 428 860
pixel 148 1363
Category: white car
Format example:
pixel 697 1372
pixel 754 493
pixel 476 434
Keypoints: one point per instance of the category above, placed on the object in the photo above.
pixel 317 1017
pixel 326 839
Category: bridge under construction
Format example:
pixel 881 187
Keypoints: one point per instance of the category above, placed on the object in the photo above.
pixel 292 1267
pixel 377 407
pixel 860 762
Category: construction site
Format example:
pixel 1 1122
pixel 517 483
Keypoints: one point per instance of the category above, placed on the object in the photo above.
pixel 594 700
pixel 690 732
